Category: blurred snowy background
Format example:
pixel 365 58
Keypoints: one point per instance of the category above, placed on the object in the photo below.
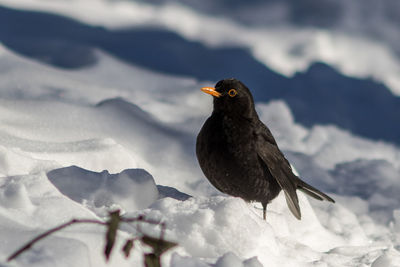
pixel 100 106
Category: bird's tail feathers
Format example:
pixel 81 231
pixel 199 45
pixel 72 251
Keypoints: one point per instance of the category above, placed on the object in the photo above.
pixel 293 204
pixel 290 195
pixel 313 192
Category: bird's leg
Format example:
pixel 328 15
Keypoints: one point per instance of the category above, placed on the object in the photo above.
pixel 264 211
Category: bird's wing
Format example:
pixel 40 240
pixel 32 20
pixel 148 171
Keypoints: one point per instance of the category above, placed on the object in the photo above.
pixel 278 166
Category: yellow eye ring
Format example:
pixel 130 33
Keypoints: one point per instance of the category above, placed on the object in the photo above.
pixel 232 93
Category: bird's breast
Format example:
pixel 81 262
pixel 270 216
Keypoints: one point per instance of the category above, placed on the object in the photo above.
pixel 226 154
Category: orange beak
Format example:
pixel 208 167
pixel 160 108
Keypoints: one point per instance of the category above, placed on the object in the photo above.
pixel 211 91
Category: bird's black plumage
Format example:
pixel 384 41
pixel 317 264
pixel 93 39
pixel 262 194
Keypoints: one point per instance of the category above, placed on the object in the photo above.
pixel 239 155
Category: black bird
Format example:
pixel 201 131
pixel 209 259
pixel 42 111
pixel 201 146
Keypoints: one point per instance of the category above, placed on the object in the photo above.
pixel 239 155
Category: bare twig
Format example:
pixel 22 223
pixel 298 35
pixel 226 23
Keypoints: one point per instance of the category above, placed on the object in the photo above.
pixel 159 245
pixel 49 232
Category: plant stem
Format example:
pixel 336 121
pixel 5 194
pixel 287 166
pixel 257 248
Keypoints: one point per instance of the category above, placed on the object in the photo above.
pixel 52 230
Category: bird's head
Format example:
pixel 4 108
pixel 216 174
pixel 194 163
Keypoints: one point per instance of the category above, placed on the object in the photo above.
pixel 232 97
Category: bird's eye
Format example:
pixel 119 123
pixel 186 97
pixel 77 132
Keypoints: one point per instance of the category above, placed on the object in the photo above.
pixel 232 92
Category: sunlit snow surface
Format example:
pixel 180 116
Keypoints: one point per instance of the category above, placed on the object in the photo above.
pixel 356 45
pixel 77 143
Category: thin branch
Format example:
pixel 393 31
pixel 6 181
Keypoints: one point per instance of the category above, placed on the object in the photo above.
pixel 140 218
pixel 45 234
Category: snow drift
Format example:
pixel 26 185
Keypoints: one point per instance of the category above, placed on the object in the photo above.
pixel 76 143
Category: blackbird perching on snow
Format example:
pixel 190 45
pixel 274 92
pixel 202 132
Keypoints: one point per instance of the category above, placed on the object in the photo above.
pixel 239 155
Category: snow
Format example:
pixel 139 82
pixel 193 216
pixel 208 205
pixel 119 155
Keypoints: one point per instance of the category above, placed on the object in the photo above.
pixel 326 144
pixel 132 189
pixel 389 258
pixel 286 49
pixel 79 143
pixel 208 227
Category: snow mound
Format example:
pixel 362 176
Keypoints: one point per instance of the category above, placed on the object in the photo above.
pixel 227 260
pixel 327 145
pixel 50 118
pixel 208 227
pixel 389 258
pixel 93 128
pixel 31 204
pixel 129 190
pixel 287 49
pixel 167 191
pixel 14 161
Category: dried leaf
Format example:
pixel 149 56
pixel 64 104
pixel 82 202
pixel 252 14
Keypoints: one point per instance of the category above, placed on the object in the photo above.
pixel 128 247
pixel 151 260
pixel 111 234
pixel 159 246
